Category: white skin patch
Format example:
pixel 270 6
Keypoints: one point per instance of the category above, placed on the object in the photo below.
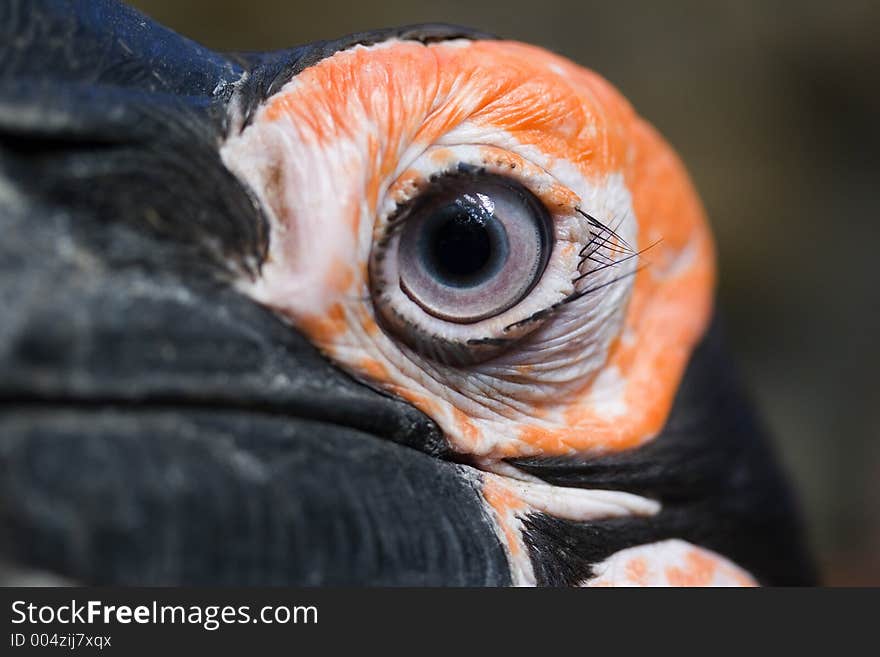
pixel 669 563
pixel 608 394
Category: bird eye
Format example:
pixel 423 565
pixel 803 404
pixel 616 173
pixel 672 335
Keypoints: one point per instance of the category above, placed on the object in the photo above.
pixel 471 249
pixel 467 249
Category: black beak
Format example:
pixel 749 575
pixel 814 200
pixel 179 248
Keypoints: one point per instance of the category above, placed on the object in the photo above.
pixel 156 427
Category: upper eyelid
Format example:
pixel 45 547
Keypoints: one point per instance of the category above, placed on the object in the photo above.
pixel 563 200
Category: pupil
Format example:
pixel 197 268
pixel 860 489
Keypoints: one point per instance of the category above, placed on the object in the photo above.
pixel 461 247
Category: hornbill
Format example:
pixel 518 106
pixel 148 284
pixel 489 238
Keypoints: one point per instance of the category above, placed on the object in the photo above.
pixel 418 306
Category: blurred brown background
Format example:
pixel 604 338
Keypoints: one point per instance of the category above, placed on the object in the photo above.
pixel 775 108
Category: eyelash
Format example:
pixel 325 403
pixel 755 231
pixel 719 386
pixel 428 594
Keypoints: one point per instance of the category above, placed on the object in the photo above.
pixel 601 235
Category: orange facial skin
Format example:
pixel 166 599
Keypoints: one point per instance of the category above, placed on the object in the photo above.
pixel 377 109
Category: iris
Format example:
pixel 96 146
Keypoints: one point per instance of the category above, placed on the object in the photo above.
pixel 473 246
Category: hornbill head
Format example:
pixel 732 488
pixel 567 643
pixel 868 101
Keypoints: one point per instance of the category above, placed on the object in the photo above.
pixel 418 306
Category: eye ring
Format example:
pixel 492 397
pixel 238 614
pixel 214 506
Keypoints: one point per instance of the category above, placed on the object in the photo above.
pixel 464 251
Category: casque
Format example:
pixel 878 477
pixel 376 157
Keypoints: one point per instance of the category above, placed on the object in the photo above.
pixel 418 306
